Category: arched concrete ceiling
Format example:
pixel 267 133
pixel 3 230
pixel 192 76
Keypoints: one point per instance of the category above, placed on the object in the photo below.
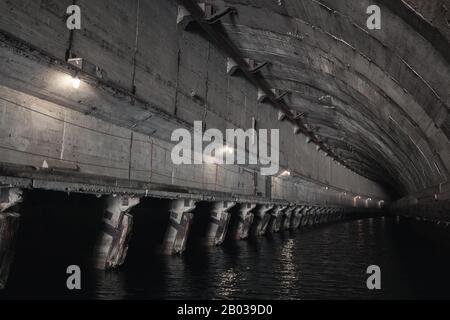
pixel 378 98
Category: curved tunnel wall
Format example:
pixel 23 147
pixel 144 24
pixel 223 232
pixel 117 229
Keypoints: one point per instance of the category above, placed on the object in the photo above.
pixel 115 130
pixel 367 95
pixel 389 110
pixel 363 115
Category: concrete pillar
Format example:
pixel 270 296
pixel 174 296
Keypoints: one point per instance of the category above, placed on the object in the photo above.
pixel 178 230
pixel 323 215
pixel 262 219
pixel 313 216
pixel 328 215
pixel 320 215
pixel 287 214
pixel 9 224
pixel 219 220
pixel 244 221
pixel 276 218
pixel 310 216
pixel 334 216
pixel 331 215
pixel 9 197
pixel 112 246
pixel 297 217
pixel 305 216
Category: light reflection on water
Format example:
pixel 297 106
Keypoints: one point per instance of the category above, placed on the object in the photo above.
pixel 227 284
pixel 326 262
pixel 289 269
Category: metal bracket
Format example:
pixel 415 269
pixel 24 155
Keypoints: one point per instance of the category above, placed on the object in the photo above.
pixel 76 62
pixel 219 15
pixel 259 67
pixel 185 18
pixel 282 95
pixel 232 66
pixel 281 115
pixel 300 115
pixel 261 96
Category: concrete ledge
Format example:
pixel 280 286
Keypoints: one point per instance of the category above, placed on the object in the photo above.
pixel 79 183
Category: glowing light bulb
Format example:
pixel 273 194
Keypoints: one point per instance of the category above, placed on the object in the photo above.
pixel 285 173
pixel 228 150
pixel 76 82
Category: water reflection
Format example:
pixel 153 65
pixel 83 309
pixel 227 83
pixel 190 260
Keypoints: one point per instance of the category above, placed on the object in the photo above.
pixel 111 286
pixel 289 269
pixel 227 284
pixel 327 262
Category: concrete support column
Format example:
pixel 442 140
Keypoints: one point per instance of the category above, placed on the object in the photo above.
pixel 323 216
pixel 277 218
pixel 112 245
pixel 219 220
pixel 297 217
pixel 316 215
pixel 305 216
pixel 334 214
pixel 331 215
pixel 287 214
pixel 337 215
pixel 262 219
pixel 328 215
pixel 9 197
pixel 9 224
pixel 244 221
pixel 311 216
pixel 180 223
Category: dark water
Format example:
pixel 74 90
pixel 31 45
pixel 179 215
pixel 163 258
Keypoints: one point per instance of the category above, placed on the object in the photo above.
pixel 326 262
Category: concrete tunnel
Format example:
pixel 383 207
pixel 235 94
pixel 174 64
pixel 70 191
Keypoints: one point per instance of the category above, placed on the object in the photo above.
pixel 90 111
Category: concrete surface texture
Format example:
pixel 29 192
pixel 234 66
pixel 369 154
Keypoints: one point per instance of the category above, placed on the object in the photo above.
pixel 376 100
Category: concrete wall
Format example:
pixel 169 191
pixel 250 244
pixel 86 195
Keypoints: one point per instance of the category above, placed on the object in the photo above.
pixel 389 106
pixel 101 129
